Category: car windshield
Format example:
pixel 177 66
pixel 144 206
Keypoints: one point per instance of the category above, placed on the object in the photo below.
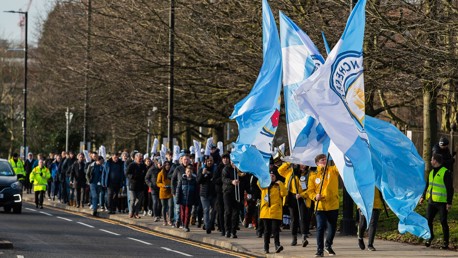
pixel 5 169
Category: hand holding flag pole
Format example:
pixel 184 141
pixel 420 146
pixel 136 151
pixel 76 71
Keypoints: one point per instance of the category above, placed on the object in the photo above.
pixel 322 182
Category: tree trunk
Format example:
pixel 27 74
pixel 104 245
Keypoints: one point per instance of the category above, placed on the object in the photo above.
pixel 429 122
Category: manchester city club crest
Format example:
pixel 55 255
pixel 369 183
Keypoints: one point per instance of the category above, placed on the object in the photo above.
pixel 347 81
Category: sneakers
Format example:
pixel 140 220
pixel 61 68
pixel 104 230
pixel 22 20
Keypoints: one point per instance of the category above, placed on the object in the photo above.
pixel 371 248
pixel 294 241
pixel 319 254
pixel 156 219
pixel 305 242
pixel 278 248
pixel 361 244
pixel 234 236
pixel 428 243
pixel 329 251
pixel 444 247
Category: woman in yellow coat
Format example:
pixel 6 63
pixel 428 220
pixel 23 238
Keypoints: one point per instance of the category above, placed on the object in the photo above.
pixel 272 211
pixel 165 193
pixel 39 177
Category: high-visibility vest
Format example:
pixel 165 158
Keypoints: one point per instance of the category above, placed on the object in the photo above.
pixel 18 168
pixel 436 189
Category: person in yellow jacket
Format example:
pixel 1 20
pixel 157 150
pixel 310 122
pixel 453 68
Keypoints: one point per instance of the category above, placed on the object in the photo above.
pixel 18 167
pixel 378 205
pixel 165 193
pixel 323 188
pixel 295 200
pixel 272 211
pixel 439 196
pixel 39 177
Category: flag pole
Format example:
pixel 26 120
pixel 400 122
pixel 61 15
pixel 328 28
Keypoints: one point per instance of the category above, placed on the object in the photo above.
pixel 322 181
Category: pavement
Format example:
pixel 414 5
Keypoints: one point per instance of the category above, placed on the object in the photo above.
pixel 247 243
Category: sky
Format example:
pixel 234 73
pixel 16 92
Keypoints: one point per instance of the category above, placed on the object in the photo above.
pixel 9 28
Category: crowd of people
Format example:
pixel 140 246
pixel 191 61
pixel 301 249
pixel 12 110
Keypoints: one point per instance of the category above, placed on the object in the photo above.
pixel 212 193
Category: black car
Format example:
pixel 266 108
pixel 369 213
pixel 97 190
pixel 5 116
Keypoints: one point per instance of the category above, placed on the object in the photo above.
pixel 10 188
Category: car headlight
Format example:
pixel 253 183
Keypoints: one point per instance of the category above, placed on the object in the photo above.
pixel 16 185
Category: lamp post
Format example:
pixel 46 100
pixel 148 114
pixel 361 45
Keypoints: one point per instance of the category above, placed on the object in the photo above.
pixel 171 78
pixel 24 119
pixel 68 117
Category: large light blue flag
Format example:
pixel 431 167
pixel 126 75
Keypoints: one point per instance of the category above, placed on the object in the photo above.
pixel 399 174
pixel 334 95
pixel 258 113
pixel 301 58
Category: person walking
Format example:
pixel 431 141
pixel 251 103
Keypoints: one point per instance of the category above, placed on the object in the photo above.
pixel 439 195
pixel 94 178
pixel 78 179
pixel 323 187
pixel 39 178
pixel 151 181
pixel 218 183
pixel 207 192
pixel 18 167
pixel 113 179
pixel 136 174
pixel 231 190
pixel 362 225
pixel 271 211
pixel 187 195
pixel 295 200
pixel 165 193
pixel 28 166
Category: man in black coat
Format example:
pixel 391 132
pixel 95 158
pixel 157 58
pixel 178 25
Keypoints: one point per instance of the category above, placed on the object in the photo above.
pixel 136 173
pixel 113 179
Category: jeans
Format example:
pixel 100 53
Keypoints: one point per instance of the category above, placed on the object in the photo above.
pixel 167 209
pixel 128 198
pixel 176 210
pixel 156 205
pixel 95 191
pixel 102 197
pixel 326 220
pixel 136 198
pixel 208 205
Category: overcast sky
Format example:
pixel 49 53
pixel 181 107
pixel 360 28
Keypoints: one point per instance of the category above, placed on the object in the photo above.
pixel 9 28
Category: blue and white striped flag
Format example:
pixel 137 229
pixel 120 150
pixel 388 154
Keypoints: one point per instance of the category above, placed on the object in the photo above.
pixel 301 58
pixel 334 94
pixel 258 113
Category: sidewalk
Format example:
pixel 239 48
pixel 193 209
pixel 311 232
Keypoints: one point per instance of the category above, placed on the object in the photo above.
pixel 248 243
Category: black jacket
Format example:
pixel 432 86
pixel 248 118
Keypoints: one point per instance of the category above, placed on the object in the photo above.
pixel 207 187
pixel 151 179
pixel 136 174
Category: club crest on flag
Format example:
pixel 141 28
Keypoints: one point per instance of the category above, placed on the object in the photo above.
pixel 347 80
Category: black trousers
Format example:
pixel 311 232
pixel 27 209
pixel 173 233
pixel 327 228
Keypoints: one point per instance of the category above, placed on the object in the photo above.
pixel 372 226
pixel 113 195
pixel 432 210
pixel 271 226
pixel 220 211
pixel 39 195
pixel 297 215
pixel 231 213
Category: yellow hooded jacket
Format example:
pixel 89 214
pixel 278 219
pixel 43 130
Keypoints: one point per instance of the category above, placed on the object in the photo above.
pixel 330 191
pixel 271 201
pixel 39 177
pixel 295 187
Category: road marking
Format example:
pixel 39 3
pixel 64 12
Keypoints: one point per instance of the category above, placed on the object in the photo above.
pixel 84 224
pixel 45 213
pixel 109 232
pixel 30 209
pixel 138 240
pixel 20 256
pixel 64 218
pixel 175 251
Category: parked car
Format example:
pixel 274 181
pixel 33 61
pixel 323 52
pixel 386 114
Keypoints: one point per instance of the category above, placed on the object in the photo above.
pixel 10 188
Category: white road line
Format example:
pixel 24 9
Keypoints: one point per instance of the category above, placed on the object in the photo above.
pixel 45 213
pixel 84 224
pixel 143 242
pixel 30 209
pixel 109 232
pixel 64 218
pixel 20 256
pixel 178 252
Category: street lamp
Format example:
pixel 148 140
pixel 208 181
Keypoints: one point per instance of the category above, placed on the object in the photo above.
pixel 68 117
pixel 24 121
pixel 171 78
